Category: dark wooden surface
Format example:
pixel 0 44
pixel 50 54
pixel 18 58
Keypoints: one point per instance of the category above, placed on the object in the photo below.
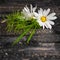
pixel 44 45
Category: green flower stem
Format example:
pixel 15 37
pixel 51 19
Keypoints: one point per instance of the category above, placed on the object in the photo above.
pixel 32 33
pixel 20 37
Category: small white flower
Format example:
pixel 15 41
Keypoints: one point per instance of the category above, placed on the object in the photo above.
pixel 29 13
pixel 44 18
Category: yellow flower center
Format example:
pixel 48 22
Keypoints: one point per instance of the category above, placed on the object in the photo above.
pixel 43 18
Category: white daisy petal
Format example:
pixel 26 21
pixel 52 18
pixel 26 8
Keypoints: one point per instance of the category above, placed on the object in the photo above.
pixel 34 9
pixel 47 12
pixel 51 18
pixel 46 25
pixel 40 11
pixel 44 12
pixel 43 26
pixel 31 8
pixel 51 22
pixel 36 14
pixel 40 23
pixel 49 26
pixel 27 8
pixel 52 14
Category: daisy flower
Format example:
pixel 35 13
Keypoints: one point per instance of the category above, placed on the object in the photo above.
pixel 29 13
pixel 44 18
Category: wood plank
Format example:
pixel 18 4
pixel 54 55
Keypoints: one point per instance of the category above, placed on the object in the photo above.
pixel 26 51
pixel 40 36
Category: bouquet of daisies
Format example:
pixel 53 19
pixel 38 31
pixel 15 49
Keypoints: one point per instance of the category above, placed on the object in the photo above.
pixel 28 20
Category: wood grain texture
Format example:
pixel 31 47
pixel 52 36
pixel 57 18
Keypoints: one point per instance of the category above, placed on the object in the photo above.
pixel 40 36
pixel 44 51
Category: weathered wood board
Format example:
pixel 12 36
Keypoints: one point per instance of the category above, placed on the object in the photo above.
pixel 44 45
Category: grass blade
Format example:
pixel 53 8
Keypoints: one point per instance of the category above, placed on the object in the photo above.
pixel 29 38
pixel 20 37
